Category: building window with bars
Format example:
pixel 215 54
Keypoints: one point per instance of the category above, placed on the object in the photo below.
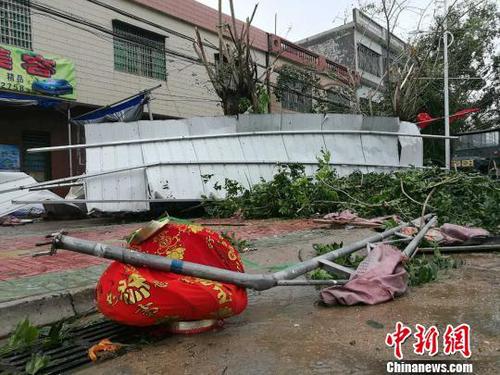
pixel 297 97
pixel 15 23
pixel 369 60
pixel 139 51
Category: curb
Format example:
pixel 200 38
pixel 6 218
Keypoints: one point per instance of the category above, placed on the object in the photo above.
pixel 46 308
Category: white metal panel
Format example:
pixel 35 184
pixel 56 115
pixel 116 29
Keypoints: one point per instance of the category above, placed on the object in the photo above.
pixel 345 149
pixel 12 180
pixel 388 124
pixel 263 147
pixel 258 122
pixel 212 125
pixel 352 151
pixel 380 150
pixel 412 149
pixel 165 182
pixel 221 149
pixel 301 121
pixel 337 121
pixel 124 185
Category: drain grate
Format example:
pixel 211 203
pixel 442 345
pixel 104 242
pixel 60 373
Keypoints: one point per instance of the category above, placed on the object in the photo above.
pixel 72 352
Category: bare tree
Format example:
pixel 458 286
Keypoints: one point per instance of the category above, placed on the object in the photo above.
pixel 234 74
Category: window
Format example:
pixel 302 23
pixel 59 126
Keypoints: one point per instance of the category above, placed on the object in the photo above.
pixel 15 23
pixel 338 99
pixel 139 51
pixel 297 98
pixel 368 60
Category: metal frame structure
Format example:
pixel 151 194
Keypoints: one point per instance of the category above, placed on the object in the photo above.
pixel 64 182
pixel 233 135
pixel 253 281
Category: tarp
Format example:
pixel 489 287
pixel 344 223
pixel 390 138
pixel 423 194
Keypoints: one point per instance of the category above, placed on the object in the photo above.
pixel 20 69
pixel 124 111
pixel 23 100
pixel 12 180
pixel 379 278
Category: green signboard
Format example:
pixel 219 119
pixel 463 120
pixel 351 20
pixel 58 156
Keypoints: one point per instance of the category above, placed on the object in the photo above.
pixel 33 73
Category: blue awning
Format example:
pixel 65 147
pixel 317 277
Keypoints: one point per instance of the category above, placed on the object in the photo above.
pixel 22 100
pixel 125 111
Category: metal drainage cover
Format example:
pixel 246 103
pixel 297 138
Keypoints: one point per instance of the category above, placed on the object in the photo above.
pixel 73 351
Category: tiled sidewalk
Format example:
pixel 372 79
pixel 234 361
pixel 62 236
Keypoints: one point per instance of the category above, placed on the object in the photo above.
pixel 23 276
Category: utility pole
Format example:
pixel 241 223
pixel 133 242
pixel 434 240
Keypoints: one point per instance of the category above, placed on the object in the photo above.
pixel 446 94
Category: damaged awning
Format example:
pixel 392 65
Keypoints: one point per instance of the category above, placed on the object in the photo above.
pixel 15 99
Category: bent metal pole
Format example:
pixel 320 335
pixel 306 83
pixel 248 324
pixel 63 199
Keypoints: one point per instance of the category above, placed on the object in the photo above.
pixel 127 142
pixel 311 264
pixel 411 248
pixel 253 281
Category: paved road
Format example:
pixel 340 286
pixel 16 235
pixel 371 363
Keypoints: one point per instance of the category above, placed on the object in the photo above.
pixel 284 331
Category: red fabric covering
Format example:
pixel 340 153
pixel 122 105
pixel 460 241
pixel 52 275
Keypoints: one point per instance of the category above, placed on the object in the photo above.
pixel 141 296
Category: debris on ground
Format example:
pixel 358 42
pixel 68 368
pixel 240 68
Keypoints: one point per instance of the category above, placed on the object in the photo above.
pixel 461 249
pixel 452 234
pixel 346 217
pixel 380 277
pixel 456 234
pixel 10 221
pixel 143 296
pixel 104 346
pixel 456 197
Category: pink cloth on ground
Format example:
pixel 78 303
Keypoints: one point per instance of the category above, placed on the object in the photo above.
pixel 458 234
pixel 379 278
pixel 347 217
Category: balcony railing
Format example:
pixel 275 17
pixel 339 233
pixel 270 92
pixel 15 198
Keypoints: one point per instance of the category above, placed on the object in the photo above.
pixel 303 56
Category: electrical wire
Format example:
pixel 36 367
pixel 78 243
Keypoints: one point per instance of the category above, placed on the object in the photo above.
pixel 81 21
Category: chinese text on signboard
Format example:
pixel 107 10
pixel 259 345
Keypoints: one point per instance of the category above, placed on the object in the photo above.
pixel 20 68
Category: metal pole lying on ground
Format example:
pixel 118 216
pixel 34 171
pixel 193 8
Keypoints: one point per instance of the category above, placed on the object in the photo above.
pixel 460 249
pixel 311 264
pixel 411 248
pixel 253 281
pixel 310 282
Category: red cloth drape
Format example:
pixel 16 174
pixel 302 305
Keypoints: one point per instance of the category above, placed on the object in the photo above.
pixel 424 119
pixel 142 296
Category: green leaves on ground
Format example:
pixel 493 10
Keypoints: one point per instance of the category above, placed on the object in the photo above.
pixel 457 197
pixel 351 260
pixel 25 335
pixel 36 363
pixel 28 337
pixel 239 244
pixel 424 269
pixel 421 269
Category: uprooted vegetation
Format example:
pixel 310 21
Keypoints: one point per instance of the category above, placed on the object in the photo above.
pixel 456 197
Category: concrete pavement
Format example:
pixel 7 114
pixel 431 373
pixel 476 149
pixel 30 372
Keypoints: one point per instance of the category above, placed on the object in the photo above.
pixel 50 288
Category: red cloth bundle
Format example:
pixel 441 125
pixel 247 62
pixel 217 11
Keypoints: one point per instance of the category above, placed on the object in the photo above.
pixel 141 296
